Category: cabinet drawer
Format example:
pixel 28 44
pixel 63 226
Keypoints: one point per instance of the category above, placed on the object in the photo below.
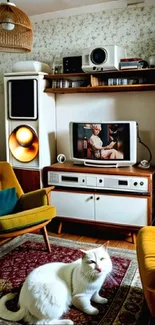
pixel 121 210
pixel 74 205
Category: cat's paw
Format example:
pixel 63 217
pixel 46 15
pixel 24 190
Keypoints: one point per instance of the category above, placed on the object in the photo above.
pixel 102 300
pixel 91 311
pixel 99 300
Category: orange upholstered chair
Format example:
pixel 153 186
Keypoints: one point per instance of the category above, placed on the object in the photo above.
pixel 146 261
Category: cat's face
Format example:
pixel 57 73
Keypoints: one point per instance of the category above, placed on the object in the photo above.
pixel 96 261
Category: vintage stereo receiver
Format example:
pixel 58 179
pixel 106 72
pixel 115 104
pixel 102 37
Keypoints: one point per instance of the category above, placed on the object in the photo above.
pixel 99 181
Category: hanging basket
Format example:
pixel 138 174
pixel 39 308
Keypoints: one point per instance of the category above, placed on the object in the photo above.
pixel 15 30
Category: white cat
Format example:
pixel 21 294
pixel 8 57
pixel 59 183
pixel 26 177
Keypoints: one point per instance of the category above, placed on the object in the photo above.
pixel 50 289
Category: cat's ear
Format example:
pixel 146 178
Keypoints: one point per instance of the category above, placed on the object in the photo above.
pixel 83 252
pixel 105 245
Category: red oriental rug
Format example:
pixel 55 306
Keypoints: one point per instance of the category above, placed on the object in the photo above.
pixel 122 287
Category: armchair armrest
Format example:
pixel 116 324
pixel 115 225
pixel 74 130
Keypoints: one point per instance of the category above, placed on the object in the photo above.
pixel 36 198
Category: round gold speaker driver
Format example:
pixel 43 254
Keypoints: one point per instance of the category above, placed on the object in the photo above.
pixel 23 143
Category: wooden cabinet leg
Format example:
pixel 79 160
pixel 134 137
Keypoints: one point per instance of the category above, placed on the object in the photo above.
pixel 46 239
pixel 134 237
pixel 3 241
pixel 60 227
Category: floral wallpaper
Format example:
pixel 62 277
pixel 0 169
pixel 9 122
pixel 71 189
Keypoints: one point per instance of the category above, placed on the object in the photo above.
pixel 132 28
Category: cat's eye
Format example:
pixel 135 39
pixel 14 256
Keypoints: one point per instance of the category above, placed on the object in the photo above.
pixel 102 258
pixel 91 262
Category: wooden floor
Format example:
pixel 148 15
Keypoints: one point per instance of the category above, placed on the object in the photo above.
pixel 91 234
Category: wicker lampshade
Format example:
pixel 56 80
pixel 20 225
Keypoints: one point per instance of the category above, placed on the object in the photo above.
pixel 15 29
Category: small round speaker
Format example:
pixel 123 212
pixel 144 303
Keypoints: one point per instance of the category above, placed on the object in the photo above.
pixel 61 158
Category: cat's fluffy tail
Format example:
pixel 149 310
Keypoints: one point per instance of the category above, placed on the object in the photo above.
pixel 19 315
pixel 7 314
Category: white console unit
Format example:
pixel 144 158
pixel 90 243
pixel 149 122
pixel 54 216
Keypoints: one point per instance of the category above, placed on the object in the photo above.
pixel 111 209
pixel 113 197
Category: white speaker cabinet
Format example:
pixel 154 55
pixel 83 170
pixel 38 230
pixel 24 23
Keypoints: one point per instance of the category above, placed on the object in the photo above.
pixel 29 121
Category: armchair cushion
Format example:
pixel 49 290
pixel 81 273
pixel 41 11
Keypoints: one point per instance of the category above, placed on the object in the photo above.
pixel 8 201
pixel 26 218
pixel 33 199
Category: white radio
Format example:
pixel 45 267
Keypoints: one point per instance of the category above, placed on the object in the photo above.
pixel 96 59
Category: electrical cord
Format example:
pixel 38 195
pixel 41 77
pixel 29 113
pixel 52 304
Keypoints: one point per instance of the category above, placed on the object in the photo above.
pixel 150 154
pixel 144 163
pixel 152 223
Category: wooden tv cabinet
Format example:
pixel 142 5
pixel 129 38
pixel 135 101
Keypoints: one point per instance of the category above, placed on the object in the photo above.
pixel 112 205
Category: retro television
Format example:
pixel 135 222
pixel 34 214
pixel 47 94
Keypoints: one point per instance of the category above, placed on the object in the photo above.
pixel 104 144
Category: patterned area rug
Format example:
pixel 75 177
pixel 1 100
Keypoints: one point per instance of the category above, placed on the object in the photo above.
pixel 122 287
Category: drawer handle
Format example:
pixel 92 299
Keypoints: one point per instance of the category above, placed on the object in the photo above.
pixel 89 198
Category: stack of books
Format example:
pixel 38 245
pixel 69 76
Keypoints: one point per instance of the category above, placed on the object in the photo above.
pixel 129 63
pixel 96 81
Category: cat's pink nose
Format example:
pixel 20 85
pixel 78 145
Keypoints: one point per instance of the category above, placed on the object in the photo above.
pixel 99 269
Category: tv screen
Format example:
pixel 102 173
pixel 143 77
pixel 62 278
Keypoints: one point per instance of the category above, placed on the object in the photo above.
pixel 104 143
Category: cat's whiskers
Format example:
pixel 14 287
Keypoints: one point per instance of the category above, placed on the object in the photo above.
pixel 89 275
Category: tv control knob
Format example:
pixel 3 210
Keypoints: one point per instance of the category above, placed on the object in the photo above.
pixel 135 183
pixel 98 198
pixel 141 183
pixel 83 180
pixel 100 180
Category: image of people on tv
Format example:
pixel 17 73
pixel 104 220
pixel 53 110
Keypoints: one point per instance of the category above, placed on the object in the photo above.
pixel 102 141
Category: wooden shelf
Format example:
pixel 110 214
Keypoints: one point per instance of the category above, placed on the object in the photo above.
pixel 147 74
pixel 66 75
pixel 101 89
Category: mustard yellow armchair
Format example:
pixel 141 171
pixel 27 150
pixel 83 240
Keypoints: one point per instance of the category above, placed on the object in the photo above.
pixel 145 248
pixel 32 210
